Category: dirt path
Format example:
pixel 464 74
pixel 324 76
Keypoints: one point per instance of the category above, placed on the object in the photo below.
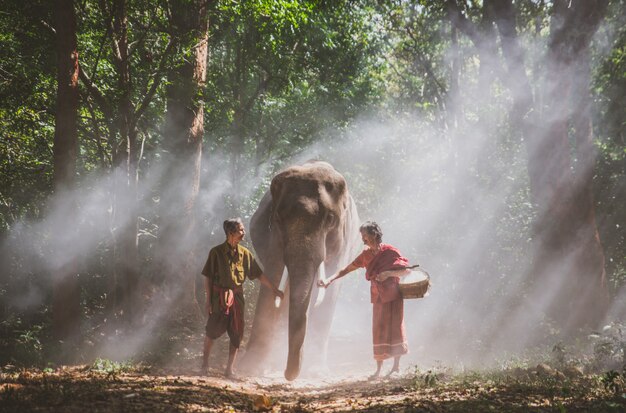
pixel 80 389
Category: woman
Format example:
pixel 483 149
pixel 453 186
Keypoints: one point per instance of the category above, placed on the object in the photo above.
pixel 384 265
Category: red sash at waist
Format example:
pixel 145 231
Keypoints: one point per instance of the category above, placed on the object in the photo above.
pixel 227 297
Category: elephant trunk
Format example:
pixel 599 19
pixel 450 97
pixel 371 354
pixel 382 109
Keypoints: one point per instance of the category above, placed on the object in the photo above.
pixel 302 278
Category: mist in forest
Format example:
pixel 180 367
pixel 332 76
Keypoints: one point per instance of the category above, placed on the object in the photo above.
pixel 456 202
pixel 78 232
pixel 459 208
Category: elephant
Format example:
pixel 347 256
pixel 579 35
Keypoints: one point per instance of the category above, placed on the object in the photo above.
pixel 306 219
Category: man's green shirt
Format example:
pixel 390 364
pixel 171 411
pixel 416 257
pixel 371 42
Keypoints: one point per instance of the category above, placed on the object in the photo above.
pixel 228 270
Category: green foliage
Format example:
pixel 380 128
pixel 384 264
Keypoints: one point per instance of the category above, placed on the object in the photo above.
pixel 21 342
pixel 609 88
pixel 26 111
pixel 614 381
pixel 29 339
pixel 430 378
pixel 280 76
pixel 112 368
pixel 102 111
pixel 276 79
pixel 416 69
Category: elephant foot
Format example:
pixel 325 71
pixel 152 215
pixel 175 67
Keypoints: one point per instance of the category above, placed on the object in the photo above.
pixel 292 373
pixel 230 374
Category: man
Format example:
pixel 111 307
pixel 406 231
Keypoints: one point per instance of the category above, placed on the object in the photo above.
pixel 228 266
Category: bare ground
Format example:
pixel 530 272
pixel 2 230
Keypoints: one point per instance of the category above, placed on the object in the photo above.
pixel 81 388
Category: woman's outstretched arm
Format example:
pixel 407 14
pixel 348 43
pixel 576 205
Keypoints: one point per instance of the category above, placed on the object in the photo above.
pixel 325 283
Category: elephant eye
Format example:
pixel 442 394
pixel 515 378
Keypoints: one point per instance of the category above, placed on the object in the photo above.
pixel 331 217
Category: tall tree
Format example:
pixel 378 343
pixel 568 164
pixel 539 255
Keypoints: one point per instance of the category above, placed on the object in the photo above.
pixel 282 72
pixel 184 131
pixel 568 250
pixel 139 58
pixel 260 45
pixel 562 186
pixel 609 109
pixel 125 161
pixel 66 290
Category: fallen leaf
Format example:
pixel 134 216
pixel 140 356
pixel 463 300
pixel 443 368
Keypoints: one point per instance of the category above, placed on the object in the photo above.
pixel 262 403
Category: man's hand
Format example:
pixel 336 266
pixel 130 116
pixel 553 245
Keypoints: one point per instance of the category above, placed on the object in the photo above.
pixel 278 293
pixel 208 307
pixel 266 281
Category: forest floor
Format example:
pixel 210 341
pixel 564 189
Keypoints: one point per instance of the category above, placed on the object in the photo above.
pixel 109 387
pixel 166 379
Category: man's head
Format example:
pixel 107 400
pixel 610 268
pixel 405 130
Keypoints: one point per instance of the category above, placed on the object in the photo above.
pixel 234 230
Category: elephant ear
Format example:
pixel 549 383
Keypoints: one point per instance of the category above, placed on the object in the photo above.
pixel 260 227
pixel 276 192
pixel 276 185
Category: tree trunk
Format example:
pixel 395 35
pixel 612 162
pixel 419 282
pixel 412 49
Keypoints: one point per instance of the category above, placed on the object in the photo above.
pixel 573 233
pixel 590 255
pixel 452 106
pixel 244 95
pixel 569 260
pixel 66 309
pixel 184 133
pixel 125 213
pixel 237 127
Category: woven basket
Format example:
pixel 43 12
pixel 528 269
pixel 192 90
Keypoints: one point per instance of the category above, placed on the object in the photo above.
pixel 415 289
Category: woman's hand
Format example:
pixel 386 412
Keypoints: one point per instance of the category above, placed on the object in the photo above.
pixel 324 282
pixel 208 307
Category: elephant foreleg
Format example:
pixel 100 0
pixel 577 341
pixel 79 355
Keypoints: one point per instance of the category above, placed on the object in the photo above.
pixel 321 319
pixel 299 299
pixel 263 326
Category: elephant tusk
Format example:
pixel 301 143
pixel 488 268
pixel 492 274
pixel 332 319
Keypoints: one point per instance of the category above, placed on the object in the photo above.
pixel 321 292
pixel 281 286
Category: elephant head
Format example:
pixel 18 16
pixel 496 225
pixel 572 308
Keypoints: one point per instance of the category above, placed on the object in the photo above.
pixel 307 219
